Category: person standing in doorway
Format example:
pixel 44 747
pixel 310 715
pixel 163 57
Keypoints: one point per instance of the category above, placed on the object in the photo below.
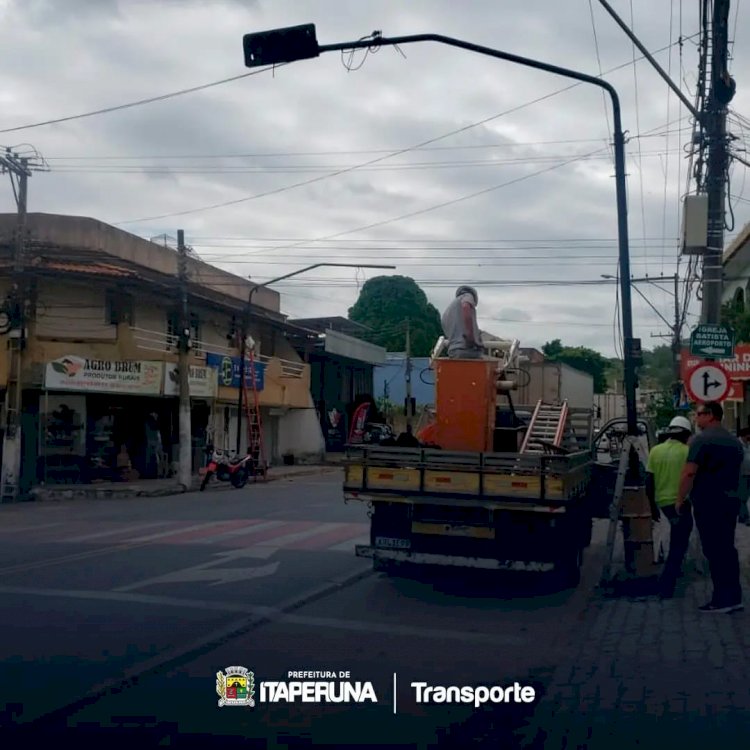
pixel 711 477
pixel 665 463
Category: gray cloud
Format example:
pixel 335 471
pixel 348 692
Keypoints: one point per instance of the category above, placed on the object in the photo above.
pixel 560 224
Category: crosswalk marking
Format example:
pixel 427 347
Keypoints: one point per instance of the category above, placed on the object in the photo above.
pixel 119 530
pixel 238 533
pixel 191 535
pixel 164 534
pixel 252 526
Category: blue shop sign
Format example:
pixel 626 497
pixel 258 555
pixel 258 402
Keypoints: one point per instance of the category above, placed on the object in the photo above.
pixel 228 370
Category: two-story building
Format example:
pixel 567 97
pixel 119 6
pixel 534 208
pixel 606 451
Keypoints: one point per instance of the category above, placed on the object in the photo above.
pixel 97 370
pixel 736 289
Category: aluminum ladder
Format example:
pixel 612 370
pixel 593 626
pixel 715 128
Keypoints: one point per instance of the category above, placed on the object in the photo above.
pixel 546 429
pixel 255 445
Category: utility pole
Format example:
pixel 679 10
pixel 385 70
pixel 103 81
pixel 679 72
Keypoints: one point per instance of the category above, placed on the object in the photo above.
pixel 677 333
pixel 408 410
pixel 722 87
pixel 13 438
pixel 185 468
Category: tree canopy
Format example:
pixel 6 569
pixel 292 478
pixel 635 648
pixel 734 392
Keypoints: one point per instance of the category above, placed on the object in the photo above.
pixel 738 319
pixel 581 358
pixel 386 303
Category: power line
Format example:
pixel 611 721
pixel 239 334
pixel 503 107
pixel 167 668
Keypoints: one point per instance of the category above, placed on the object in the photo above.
pixel 276 154
pixel 139 102
pixel 367 163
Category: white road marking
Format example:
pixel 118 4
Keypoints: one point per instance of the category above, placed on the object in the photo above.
pixel 280 541
pixel 207 571
pixel 239 532
pixel 493 638
pixel 112 532
pixel 217 576
pixel 173 532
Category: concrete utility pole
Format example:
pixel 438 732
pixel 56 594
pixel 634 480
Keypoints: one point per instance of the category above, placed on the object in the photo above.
pixel 13 438
pixel 715 118
pixel 185 469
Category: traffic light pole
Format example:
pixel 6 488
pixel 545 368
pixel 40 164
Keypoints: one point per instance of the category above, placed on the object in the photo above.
pixel 280 51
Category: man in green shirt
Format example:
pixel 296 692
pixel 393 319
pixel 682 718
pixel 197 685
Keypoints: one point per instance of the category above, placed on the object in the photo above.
pixel 665 463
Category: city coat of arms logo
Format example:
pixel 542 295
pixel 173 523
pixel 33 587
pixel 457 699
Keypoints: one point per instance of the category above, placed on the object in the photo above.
pixel 235 686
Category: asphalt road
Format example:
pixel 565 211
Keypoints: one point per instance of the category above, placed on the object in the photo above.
pixel 116 616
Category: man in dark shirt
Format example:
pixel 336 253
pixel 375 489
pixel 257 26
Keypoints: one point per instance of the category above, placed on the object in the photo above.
pixel 711 477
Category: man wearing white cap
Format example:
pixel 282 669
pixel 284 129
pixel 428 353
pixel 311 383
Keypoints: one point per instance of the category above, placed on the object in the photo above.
pixel 665 463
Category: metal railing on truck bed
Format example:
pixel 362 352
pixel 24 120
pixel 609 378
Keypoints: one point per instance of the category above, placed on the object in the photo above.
pixel 552 479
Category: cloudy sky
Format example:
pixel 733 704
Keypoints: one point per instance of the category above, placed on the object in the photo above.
pixel 454 167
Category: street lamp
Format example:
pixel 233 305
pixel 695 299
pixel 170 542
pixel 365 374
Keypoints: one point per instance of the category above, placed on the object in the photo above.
pixel 243 334
pixel 286 45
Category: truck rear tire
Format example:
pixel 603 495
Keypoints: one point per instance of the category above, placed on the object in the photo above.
pixel 568 570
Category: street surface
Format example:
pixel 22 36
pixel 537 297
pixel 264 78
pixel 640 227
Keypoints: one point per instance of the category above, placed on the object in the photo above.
pixel 116 616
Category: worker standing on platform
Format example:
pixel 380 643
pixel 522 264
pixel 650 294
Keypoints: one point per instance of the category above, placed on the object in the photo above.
pixel 460 325
pixel 665 464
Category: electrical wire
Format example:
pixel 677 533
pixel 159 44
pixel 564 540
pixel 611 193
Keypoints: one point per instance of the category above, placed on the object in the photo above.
pixel 638 125
pixel 367 163
pixel 139 102
pixel 599 63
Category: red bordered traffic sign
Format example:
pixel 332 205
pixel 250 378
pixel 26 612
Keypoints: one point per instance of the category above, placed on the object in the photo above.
pixel 708 381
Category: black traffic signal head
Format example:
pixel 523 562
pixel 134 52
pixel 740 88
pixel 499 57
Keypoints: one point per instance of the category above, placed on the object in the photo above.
pixel 280 45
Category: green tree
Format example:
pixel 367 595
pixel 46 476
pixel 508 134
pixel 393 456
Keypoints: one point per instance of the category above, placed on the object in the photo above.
pixel 738 319
pixel 658 368
pixel 386 303
pixel 581 358
pixel 660 409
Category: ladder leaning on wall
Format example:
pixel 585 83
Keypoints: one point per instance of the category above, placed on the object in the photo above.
pixel 251 405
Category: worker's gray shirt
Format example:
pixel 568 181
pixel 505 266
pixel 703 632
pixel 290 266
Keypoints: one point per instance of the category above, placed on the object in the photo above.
pixel 718 455
pixel 454 327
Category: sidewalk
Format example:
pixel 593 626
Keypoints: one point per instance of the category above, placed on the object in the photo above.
pixel 162 487
pixel 648 673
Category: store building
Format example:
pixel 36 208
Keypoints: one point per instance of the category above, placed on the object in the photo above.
pixel 98 372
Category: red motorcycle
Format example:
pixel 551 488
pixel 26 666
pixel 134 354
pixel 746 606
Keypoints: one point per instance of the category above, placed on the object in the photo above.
pixel 228 467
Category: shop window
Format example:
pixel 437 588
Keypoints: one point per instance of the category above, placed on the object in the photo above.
pixel 173 331
pixel 119 307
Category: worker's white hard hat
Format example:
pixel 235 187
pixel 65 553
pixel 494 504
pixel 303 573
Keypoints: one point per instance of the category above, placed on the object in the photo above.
pixel 681 423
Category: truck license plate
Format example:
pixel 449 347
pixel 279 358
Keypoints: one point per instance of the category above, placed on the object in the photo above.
pixel 386 541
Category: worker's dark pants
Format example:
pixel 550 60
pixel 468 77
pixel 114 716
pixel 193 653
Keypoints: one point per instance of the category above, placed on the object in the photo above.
pixel 716 519
pixel 680 528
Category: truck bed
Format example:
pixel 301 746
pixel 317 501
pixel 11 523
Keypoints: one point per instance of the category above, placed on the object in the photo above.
pixel 484 479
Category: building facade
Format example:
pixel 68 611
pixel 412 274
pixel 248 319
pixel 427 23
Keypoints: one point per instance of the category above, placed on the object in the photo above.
pixel 341 370
pixel 736 290
pixel 97 366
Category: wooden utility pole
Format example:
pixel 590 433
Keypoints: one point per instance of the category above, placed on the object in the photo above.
pixel 185 470
pixel 721 91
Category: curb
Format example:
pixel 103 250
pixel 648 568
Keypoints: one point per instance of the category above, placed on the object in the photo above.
pixel 127 493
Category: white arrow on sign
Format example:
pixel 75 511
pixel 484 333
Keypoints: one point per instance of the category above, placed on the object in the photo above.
pixel 713 350
pixel 708 381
